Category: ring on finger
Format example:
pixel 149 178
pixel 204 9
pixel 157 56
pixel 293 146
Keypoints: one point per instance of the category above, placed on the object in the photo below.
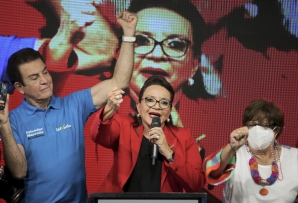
pixel 157 137
pixel 117 96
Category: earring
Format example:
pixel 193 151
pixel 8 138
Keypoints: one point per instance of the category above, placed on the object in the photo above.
pixel 138 115
pixel 190 81
pixel 168 120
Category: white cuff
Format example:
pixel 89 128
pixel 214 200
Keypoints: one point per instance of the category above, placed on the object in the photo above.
pixel 128 39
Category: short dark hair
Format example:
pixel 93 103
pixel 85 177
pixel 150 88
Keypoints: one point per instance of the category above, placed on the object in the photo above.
pixel 156 80
pixel 183 8
pixel 262 109
pixel 18 58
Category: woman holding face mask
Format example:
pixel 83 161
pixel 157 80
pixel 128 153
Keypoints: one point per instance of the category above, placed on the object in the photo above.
pixel 254 166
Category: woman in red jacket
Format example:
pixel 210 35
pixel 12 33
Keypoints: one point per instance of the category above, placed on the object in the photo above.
pixel 178 165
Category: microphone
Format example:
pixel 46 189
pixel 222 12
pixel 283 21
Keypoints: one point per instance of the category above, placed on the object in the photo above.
pixel 154 147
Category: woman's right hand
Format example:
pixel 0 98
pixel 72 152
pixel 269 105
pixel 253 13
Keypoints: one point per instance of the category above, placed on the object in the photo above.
pixel 115 98
pixel 238 138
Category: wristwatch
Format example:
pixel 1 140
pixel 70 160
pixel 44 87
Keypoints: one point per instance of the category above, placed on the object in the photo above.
pixel 171 159
pixel 128 39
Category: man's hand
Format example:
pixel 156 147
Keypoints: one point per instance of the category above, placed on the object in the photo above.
pixel 128 22
pixel 4 113
pixel 1 172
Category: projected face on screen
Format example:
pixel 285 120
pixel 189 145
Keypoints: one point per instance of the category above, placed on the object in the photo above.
pixel 251 53
pixel 163 47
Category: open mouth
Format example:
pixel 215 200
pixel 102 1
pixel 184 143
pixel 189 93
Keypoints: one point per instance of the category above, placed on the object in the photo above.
pixel 147 72
pixel 154 114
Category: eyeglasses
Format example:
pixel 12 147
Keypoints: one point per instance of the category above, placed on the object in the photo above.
pixel 172 47
pixel 251 124
pixel 163 103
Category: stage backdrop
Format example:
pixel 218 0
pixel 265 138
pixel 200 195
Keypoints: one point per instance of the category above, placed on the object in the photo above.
pixel 244 50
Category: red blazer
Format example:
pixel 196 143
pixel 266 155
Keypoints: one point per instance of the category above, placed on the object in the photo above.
pixel 185 173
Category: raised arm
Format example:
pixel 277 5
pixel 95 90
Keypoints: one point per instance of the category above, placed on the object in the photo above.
pixel 237 138
pixel 124 65
pixel 107 135
pixel 114 101
pixel 14 154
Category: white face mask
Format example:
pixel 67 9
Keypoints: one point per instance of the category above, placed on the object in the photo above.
pixel 260 138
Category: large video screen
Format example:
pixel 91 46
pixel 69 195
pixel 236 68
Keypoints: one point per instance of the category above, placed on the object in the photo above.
pixel 232 52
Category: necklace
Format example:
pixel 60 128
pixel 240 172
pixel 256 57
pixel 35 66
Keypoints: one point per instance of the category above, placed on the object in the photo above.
pixel 256 176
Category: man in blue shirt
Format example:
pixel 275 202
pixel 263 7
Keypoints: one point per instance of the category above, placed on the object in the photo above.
pixel 43 139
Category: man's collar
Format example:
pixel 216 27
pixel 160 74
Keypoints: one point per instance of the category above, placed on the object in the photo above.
pixel 54 104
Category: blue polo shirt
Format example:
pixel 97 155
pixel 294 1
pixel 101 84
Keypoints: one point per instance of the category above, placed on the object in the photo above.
pixel 9 45
pixel 53 140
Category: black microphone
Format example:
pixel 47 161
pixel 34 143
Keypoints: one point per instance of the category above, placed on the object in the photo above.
pixel 154 147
